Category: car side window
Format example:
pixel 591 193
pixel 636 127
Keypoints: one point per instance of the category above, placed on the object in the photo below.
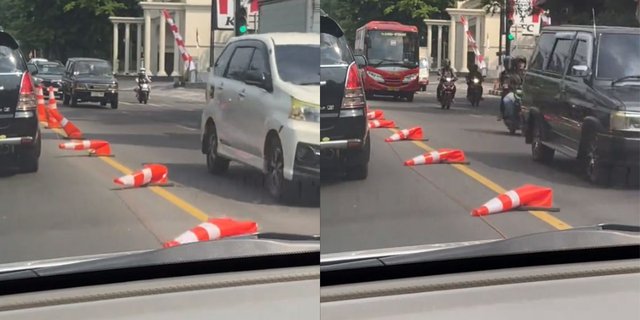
pixel 239 63
pixel 583 53
pixel 560 55
pixel 541 56
pixel 258 62
pixel 223 61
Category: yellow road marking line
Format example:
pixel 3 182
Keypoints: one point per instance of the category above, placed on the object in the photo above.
pixel 172 198
pixel 542 215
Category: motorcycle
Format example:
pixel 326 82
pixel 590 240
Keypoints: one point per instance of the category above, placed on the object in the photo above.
pixel 142 92
pixel 448 87
pixel 512 117
pixel 474 94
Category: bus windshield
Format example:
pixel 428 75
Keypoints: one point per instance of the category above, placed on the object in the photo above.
pixel 392 48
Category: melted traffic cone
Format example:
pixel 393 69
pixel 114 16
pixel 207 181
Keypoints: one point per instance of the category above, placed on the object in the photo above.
pixel 527 197
pixel 151 174
pixel 42 113
pixel 448 156
pixel 375 115
pixel 95 147
pixel 382 124
pixel 52 111
pixel 214 229
pixel 414 133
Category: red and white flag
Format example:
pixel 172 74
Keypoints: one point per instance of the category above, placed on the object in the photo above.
pixel 186 57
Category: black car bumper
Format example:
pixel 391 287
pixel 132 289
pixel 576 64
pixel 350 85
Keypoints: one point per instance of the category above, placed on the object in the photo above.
pixel 306 165
pixel 95 96
pixel 17 133
pixel 620 150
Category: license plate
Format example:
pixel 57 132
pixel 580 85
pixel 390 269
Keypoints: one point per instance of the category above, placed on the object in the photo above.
pixel 394 89
pixel 97 94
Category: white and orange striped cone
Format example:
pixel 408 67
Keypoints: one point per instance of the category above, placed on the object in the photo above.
pixel 98 148
pixel 414 134
pixel 69 128
pixel 448 156
pixel 42 113
pixel 213 229
pixel 150 175
pixel 52 111
pixel 525 198
pixel 382 124
pixel 375 115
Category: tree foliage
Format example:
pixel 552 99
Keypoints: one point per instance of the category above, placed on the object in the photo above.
pixel 355 13
pixel 63 28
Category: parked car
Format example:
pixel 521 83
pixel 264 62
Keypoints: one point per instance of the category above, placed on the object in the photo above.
pixel 344 129
pixel 90 80
pixel 263 109
pixel 20 139
pixel 582 98
pixel 48 74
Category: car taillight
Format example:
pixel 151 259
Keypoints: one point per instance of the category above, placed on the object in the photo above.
pixel 353 91
pixel 27 98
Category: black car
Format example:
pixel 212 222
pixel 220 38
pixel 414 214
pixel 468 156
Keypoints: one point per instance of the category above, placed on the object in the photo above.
pixel 48 74
pixel 91 80
pixel 344 130
pixel 582 98
pixel 19 129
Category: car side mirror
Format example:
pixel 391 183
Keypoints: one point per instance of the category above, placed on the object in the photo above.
pixel 581 71
pixel 258 79
pixel 361 61
pixel 32 69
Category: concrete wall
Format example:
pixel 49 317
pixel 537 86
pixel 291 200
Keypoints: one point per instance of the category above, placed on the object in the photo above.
pixel 491 43
pixel 197 18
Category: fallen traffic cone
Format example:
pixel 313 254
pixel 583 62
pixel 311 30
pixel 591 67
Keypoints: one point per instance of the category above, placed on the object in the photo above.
pixel 42 113
pixel 150 175
pixel 382 124
pixel 52 111
pixel 414 133
pixel 375 115
pixel 448 156
pixel 528 198
pixel 69 128
pixel 213 229
pixel 98 148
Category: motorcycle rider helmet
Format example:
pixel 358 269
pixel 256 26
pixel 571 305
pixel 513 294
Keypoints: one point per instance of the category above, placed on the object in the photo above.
pixel 520 62
pixel 446 63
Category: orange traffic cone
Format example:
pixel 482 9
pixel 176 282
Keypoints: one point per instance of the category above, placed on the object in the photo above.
pixel 448 156
pixel 151 174
pixel 382 124
pixel 69 128
pixel 42 113
pixel 414 133
pixel 52 111
pixel 99 148
pixel 375 115
pixel 214 229
pixel 527 197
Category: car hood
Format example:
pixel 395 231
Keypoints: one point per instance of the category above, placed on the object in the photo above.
pixel 627 96
pixel 308 93
pixel 96 79
pixel 49 77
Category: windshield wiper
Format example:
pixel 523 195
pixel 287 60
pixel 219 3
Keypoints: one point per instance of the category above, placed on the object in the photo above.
pixel 625 78
pixel 386 60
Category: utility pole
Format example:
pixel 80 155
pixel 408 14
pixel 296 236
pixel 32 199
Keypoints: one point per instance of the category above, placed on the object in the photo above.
pixel 502 17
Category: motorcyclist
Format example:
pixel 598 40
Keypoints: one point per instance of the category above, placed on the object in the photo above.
pixel 511 79
pixel 474 72
pixel 142 76
pixel 445 71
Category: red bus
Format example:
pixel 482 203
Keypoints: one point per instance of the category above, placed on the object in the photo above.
pixel 392 51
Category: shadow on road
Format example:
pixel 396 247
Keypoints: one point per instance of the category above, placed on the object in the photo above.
pixel 498 132
pixel 240 183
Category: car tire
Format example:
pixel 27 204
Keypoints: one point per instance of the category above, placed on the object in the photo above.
pixel 410 97
pixel 65 99
pixel 539 151
pixel 276 184
pixel 597 172
pixel 30 156
pixel 215 163
pixel 74 101
pixel 360 171
pixel 103 103
pixel 114 103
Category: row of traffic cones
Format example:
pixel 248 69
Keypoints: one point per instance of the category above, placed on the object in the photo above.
pixel 149 175
pixel 525 198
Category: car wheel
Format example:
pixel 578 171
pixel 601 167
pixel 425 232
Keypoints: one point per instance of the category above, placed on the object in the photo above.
pixel 360 170
pixel 275 182
pixel 215 163
pixel 65 99
pixel 114 103
pixel 29 157
pixel 74 101
pixel 540 152
pixel 596 170
pixel 103 103
pixel 410 97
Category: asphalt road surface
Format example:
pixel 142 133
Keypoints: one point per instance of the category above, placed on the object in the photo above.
pixel 71 206
pixel 403 206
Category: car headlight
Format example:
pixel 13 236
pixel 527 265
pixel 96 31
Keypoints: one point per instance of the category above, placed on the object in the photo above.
pixel 409 78
pixel 375 76
pixel 625 121
pixel 475 80
pixel 80 86
pixel 304 111
pixel 448 79
pixel 113 85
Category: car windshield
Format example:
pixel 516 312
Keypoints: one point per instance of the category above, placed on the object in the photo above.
pixel 298 64
pixel 50 68
pixel 393 48
pixel 10 60
pixel 99 68
pixel 334 51
pixel 619 56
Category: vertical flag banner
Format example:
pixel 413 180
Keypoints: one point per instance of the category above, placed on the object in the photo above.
pixel 186 57
pixel 472 43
